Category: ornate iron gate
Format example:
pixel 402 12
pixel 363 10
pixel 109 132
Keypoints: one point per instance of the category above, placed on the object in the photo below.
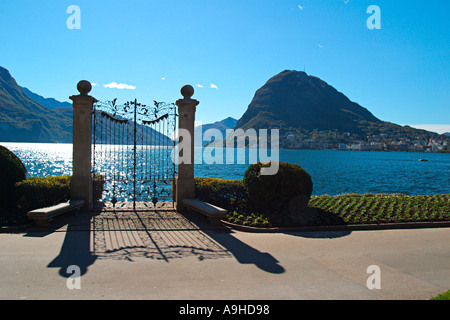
pixel 133 149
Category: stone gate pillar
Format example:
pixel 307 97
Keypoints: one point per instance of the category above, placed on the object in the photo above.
pixel 81 182
pixel 185 187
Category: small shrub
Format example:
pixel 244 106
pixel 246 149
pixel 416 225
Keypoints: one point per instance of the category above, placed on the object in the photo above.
pixel 288 191
pixel 12 170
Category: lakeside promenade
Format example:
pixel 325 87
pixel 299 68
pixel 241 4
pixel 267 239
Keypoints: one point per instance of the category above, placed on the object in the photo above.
pixel 196 263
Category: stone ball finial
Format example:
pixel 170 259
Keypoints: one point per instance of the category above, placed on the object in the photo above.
pixel 187 91
pixel 84 87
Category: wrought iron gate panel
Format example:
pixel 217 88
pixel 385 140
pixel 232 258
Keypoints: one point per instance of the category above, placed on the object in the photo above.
pixel 133 148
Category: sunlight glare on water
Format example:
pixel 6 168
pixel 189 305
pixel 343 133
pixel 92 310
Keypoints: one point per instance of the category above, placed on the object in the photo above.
pixel 43 159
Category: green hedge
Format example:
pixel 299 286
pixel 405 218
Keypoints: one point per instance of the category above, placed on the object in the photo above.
pixel 39 192
pixel 227 194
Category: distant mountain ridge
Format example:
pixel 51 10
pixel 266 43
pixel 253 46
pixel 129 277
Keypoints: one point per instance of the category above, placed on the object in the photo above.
pixel 50 103
pixel 222 126
pixel 24 120
pixel 291 101
pixel 28 117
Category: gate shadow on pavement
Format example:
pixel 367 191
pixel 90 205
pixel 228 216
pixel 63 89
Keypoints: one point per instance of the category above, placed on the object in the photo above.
pixel 160 236
pixel 246 254
pixel 75 249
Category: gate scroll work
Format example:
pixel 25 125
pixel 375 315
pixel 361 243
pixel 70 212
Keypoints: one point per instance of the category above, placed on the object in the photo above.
pixel 133 149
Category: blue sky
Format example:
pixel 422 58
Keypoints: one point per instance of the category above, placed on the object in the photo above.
pixel 231 48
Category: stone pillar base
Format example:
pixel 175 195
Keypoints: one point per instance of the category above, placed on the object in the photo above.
pixel 185 190
pixel 81 189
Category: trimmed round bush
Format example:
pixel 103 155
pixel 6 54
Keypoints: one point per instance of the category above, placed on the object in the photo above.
pixel 287 191
pixel 12 170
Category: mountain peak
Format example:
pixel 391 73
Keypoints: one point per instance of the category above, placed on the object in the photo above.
pixel 293 99
pixel 292 75
pixel 228 119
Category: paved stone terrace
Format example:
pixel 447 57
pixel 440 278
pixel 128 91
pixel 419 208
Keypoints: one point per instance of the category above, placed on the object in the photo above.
pixel 121 233
pixel 123 217
pixel 148 254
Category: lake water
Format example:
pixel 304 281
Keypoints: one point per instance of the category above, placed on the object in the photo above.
pixel 333 172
